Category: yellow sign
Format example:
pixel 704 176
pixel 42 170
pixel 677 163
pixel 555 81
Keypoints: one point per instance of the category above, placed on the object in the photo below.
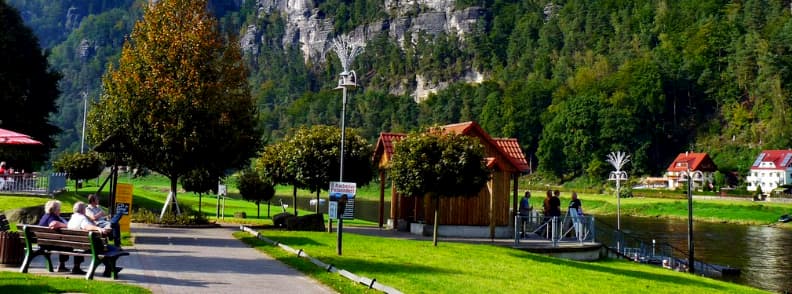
pixel 123 204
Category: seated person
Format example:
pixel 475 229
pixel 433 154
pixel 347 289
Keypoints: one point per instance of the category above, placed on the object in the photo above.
pixel 79 221
pixel 53 220
pixel 96 214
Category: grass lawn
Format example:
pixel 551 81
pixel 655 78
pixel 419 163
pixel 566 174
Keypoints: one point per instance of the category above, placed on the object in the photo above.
pixel 418 267
pixel 12 282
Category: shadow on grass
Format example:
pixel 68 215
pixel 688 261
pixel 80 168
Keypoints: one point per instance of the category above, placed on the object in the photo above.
pixel 597 266
pixel 294 242
pixel 30 289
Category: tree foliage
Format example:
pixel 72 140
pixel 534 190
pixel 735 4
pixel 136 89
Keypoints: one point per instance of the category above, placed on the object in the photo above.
pixel 80 166
pixel 180 93
pixel 317 157
pixel 664 76
pixel 253 188
pixel 28 90
pixel 438 164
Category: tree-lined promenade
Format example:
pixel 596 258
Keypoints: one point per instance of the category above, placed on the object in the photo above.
pixel 417 266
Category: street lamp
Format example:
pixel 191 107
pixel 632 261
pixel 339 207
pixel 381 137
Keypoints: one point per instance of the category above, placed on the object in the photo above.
pixel 699 175
pixel 346 51
pixel 618 159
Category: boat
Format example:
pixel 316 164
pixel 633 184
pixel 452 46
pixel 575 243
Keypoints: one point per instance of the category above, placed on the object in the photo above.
pixel 785 218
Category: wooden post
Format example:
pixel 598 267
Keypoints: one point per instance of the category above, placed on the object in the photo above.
pixel 516 192
pixel 395 212
pixel 491 208
pixel 382 197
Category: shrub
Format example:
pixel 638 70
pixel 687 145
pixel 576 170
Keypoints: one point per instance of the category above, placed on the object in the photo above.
pixel 188 217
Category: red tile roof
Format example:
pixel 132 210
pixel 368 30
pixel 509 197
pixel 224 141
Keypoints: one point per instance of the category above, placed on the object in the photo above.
pixel 780 158
pixel 385 145
pixel 696 161
pixel 509 148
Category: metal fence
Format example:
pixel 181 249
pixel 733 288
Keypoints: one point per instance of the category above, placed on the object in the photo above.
pixel 556 229
pixel 33 183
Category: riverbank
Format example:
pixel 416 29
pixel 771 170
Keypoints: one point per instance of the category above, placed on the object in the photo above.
pixel 416 266
pixel 705 209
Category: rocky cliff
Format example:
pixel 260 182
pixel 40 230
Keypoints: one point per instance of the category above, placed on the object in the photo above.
pixel 312 31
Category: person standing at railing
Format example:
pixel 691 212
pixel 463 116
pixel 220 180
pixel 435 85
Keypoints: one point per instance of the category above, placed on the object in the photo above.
pixel 3 168
pixel 576 212
pixel 524 211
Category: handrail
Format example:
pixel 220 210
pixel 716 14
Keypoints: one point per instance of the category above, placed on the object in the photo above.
pixel 665 249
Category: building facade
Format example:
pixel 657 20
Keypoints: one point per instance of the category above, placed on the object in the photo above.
pixel 771 169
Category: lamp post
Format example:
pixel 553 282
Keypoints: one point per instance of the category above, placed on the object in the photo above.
pixel 346 51
pixel 691 258
pixel 618 159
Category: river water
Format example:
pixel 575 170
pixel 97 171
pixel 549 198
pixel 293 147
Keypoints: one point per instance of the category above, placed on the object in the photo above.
pixel 763 253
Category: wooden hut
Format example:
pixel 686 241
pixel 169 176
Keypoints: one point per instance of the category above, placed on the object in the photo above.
pixel 487 214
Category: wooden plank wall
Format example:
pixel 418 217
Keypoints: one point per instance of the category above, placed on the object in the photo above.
pixel 474 211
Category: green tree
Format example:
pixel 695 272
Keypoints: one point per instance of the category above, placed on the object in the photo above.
pixel 199 181
pixel 277 163
pixel 180 93
pixel 28 90
pixel 80 166
pixel 317 157
pixel 253 188
pixel 438 164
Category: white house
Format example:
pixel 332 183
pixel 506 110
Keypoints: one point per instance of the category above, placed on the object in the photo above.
pixel 699 165
pixel 772 168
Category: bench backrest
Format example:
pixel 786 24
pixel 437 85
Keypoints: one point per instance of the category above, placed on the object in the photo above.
pixel 77 239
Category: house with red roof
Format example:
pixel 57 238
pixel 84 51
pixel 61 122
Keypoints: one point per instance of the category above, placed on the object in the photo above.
pixel 772 168
pixel 486 215
pixel 699 165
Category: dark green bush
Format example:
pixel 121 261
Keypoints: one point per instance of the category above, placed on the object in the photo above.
pixel 188 217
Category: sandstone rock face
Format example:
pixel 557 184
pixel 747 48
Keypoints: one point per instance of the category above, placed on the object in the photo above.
pixel 85 50
pixel 311 31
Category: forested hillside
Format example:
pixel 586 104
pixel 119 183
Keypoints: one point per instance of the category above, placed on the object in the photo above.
pixel 572 80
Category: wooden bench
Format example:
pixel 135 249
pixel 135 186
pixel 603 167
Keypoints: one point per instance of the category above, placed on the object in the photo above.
pixel 68 242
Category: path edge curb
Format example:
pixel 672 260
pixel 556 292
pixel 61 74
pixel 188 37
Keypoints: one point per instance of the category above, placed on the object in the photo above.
pixel 371 283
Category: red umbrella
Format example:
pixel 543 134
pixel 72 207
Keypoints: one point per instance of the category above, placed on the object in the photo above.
pixel 14 138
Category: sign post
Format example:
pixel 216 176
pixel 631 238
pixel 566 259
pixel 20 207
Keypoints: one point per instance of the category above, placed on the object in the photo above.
pixel 123 204
pixel 342 205
pixel 221 192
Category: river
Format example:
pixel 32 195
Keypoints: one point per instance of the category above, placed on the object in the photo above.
pixel 763 253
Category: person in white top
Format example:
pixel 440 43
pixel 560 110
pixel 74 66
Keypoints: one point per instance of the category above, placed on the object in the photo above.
pixel 79 221
pixel 97 214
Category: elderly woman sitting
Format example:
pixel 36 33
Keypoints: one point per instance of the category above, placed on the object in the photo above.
pixel 53 220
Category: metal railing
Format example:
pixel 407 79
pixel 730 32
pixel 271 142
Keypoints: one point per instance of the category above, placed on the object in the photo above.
pixel 624 245
pixel 565 229
pixel 33 183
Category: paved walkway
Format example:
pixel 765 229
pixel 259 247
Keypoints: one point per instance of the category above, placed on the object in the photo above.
pixel 179 260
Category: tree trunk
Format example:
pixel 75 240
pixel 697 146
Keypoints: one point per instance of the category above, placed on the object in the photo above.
pixel 258 209
pixel 294 201
pixel 199 203
pixel 171 200
pixel 317 200
pixel 436 221
pixel 268 209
